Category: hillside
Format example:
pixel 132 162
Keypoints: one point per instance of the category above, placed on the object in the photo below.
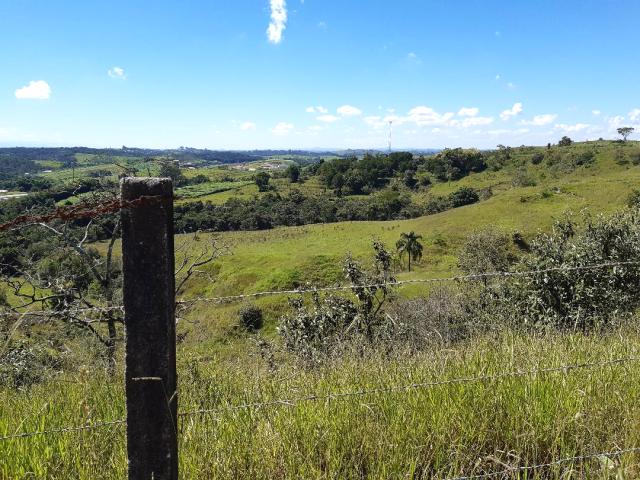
pixel 456 383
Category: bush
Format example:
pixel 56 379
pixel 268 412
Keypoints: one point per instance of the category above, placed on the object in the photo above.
pixel 251 317
pixel 537 158
pixel 317 331
pixel 487 251
pixel 463 196
pixel 576 296
pixel 633 200
pixel 565 141
pixel 522 179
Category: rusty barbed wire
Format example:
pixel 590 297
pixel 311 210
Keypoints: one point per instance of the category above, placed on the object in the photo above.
pixel 82 210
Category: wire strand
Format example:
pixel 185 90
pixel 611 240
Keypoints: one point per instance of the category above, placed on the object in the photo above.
pixel 413 386
pixel 540 466
pixel 457 278
pixel 64 430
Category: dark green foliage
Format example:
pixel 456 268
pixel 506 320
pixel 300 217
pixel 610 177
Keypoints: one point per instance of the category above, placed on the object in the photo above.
pixel 409 244
pixel 463 196
pixel 357 176
pixel 624 132
pixel 537 158
pixel 172 170
pixel 633 201
pixel 197 180
pixel 251 317
pixel 293 172
pixel 565 142
pixel 584 158
pixel 453 164
pixel 262 181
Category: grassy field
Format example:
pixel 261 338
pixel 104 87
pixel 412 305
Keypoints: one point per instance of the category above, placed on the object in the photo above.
pixel 436 431
pixel 472 426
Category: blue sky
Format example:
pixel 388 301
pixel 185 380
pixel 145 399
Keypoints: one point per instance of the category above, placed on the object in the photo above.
pixel 316 73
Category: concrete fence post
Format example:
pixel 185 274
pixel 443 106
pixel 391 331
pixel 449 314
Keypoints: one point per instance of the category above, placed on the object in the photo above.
pixel 149 301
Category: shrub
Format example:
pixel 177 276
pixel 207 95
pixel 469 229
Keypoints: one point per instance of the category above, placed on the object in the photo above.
pixel 251 317
pixel 565 141
pixel 633 200
pixel 487 251
pixel 537 158
pixel 314 332
pixel 522 179
pixel 463 196
pixel 576 296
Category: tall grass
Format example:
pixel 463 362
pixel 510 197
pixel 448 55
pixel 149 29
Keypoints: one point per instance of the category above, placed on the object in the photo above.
pixel 470 427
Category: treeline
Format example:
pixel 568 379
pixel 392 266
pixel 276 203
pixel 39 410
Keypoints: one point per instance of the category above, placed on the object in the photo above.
pixel 274 210
pixel 353 176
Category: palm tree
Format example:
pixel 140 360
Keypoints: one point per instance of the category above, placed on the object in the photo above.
pixel 410 243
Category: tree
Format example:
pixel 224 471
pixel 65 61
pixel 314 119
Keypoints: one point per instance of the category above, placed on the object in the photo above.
pixel 171 170
pixel 262 181
pixel 565 141
pixel 409 243
pixel 624 132
pixel 293 172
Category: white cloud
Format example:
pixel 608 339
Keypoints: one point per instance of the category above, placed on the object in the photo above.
pixel 498 77
pixel 596 113
pixel 468 112
pixel 512 112
pixel 282 128
pixel 511 86
pixel 318 109
pixel 615 122
pixel 474 121
pixel 572 128
pixel 36 90
pixel 349 111
pixel 540 120
pixel 316 128
pixel 378 122
pixel 248 126
pixel 327 118
pixel 423 116
pixel 634 114
pixel 278 21
pixel 117 72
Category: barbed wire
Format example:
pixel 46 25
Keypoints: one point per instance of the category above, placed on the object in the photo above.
pixel 70 311
pixel 339 395
pixel 471 277
pixel 301 291
pixel 83 210
pixel 577 458
pixel 80 428
pixel 412 386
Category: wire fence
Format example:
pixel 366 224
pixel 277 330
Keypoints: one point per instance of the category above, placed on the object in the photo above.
pixel 563 369
pixel 93 210
pixel 336 288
